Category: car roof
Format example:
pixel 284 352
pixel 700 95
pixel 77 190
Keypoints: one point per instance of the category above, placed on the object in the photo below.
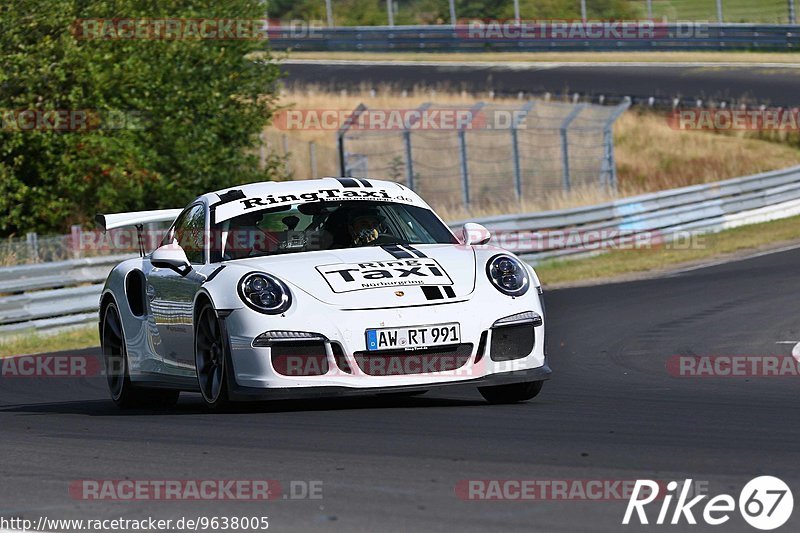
pixel 264 188
pixel 228 202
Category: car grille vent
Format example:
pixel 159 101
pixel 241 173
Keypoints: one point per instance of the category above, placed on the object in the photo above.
pixel 512 342
pixel 301 358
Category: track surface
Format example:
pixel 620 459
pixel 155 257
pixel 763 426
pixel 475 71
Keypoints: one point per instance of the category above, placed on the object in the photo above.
pixel 611 412
pixel 747 84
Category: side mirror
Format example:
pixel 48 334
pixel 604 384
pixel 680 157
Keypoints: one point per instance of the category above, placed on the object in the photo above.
pixel 475 234
pixel 171 256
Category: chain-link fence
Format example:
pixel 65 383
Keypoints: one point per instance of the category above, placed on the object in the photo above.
pixel 755 11
pixel 485 154
pixel 746 11
pixel 80 243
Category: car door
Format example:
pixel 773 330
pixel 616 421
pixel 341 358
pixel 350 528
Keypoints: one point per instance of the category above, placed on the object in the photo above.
pixel 172 295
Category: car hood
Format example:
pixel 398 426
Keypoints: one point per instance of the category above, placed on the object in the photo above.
pixel 377 277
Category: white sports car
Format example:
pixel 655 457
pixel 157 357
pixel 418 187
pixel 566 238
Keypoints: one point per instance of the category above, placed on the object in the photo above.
pixel 317 288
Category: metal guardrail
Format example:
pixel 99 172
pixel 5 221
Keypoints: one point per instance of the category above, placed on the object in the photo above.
pixel 661 216
pixel 459 38
pixel 55 295
pixel 52 295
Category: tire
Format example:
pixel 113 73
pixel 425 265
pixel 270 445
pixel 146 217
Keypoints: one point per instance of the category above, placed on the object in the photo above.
pixel 115 354
pixel 211 359
pixel 514 393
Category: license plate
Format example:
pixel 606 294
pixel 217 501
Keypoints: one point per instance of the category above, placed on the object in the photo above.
pixel 413 337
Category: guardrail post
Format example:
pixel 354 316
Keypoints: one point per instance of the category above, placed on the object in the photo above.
pixel 792 19
pixel 75 240
pixel 719 11
pixel 523 112
pixel 462 143
pixel 407 145
pixel 33 246
pixel 341 135
pixel 565 145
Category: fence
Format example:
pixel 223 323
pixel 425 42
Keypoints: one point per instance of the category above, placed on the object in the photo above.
pixel 485 150
pixel 55 295
pixel 462 38
pixel 765 11
pixel 78 244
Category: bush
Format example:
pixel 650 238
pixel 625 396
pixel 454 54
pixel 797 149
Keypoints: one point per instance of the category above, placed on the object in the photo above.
pixel 189 111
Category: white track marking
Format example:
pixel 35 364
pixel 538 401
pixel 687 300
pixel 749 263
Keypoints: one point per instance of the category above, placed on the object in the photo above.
pixel 532 65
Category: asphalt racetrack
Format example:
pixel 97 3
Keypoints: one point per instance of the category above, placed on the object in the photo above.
pixel 752 85
pixel 611 412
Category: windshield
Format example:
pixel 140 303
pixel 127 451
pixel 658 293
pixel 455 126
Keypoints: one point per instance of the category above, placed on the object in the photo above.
pixel 304 227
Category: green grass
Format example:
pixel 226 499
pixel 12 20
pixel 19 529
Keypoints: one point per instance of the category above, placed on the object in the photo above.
pixel 33 343
pixel 704 247
pixel 744 57
pixel 765 11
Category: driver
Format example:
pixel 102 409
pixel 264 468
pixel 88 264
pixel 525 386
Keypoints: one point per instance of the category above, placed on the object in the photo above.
pixel 246 236
pixel 364 224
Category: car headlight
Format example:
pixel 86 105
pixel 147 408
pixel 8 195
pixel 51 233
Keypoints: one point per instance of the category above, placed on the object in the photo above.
pixel 508 275
pixel 265 293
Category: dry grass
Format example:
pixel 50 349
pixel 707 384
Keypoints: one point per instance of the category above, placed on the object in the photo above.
pixel 650 154
pixel 562 57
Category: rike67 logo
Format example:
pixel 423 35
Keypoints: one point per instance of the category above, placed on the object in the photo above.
pixel 765 503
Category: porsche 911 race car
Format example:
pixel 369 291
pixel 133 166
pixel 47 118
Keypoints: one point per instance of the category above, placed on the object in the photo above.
pixel 317 288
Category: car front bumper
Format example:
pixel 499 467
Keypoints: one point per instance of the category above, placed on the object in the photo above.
pixel 255 375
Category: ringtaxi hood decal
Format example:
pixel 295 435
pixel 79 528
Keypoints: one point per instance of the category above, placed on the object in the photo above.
pixel 367 278
pixel 229 210
pixel 346 277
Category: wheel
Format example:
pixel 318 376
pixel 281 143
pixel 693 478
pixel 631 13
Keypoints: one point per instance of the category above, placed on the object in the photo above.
pixel 516 392
pixel 115 354
pixel 210 357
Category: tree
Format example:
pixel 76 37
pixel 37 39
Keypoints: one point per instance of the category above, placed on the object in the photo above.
pixel 178 117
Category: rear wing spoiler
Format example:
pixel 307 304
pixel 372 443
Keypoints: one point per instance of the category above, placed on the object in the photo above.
pixel 137 219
